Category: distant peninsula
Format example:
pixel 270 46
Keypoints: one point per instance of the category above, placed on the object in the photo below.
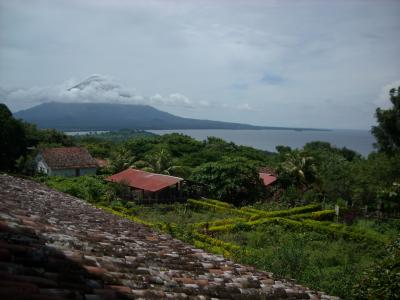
pixel 110 116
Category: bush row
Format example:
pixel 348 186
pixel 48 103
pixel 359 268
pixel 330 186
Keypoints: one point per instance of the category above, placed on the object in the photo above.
pixel 215 245
pixel 333 229
pixel 206 225
pixel 205 205
pixel 123 212
pixel 322 215
pixel 217 202
pixel 286 212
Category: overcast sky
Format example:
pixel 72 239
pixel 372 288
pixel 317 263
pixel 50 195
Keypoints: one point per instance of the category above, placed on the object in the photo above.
pixel 325 64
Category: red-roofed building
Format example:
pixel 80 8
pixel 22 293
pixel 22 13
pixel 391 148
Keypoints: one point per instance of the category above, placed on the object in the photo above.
pixel 267 178
pixel 66 161
pixel 149 187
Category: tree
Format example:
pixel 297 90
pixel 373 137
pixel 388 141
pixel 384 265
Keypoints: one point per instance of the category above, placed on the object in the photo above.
pixel 13 143
pixel 387 132
pixel 233 179
pixel 318 148
pixel 180 144
pixel 162 162
pixel 298 169
pixel 121 158
pixel 159 161
pixel 45 137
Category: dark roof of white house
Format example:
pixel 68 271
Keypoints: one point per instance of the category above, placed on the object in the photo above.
pixel 68 157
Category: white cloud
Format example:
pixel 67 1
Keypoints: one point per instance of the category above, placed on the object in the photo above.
pixel 94 89
pixel 245 106
pixel 174 99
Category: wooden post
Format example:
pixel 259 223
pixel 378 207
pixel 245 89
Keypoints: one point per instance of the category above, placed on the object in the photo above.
pixel 337 212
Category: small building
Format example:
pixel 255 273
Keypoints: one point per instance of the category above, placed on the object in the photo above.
pixel 267 178
pixel 146 187
pixel 65 161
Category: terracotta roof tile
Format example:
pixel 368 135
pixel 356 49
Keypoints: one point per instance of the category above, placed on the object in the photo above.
pixel 144 180
pixel 267 178
pixel 68 157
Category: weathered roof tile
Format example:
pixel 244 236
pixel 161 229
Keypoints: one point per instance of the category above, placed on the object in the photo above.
pixel 68 157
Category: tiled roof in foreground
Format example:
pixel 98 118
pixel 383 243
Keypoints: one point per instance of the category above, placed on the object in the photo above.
pixel 54 246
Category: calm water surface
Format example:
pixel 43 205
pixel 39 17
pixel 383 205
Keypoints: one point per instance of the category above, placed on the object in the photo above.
pixel 85 132
pixel 358 140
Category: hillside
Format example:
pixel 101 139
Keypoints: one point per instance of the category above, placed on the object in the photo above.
pixel 107 116
pixel 55 246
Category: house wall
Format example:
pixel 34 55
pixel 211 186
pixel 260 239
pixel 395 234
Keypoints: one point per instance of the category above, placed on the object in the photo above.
pixel 88 171
pixel 62 172
pixel 72 172
pixel 41 167
pixel 167 195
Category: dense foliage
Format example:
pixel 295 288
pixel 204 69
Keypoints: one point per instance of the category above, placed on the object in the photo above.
pixel 19 142
pixel 235 180
pixel 13 141
pixel 382 281
pixel 387 132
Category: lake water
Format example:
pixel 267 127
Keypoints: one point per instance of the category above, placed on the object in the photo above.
pixel 85 132
pixel 358 140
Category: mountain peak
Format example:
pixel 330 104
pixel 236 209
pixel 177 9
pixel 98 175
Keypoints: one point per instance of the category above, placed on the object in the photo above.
pixel 96 81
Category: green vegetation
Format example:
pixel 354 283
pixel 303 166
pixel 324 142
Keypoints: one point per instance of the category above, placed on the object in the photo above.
pixel 235 180
pixel 12 140
pixel 19 142
pixel 387 132
pixel 382 280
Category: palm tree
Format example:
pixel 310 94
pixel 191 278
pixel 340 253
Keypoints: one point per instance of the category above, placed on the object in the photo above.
pixel 161 162
pixel 298 169
pixel 121 159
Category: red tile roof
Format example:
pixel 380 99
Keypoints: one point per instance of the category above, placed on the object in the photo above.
pixel 144 180
pixel 267 178
pixel 68 157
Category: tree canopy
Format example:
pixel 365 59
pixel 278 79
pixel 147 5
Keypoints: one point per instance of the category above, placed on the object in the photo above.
pixel 387 132
pixel 13 142
pixel 233 179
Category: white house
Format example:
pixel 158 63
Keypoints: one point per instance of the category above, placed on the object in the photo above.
pixel 65 161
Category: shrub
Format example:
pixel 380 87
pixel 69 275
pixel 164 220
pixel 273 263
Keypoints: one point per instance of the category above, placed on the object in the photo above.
pixel 217 202
pixel 213 207
pixel 287 212
pixel 382 281
pixel 322 215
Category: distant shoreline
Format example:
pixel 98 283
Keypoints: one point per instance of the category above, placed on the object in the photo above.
pixel 104 130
